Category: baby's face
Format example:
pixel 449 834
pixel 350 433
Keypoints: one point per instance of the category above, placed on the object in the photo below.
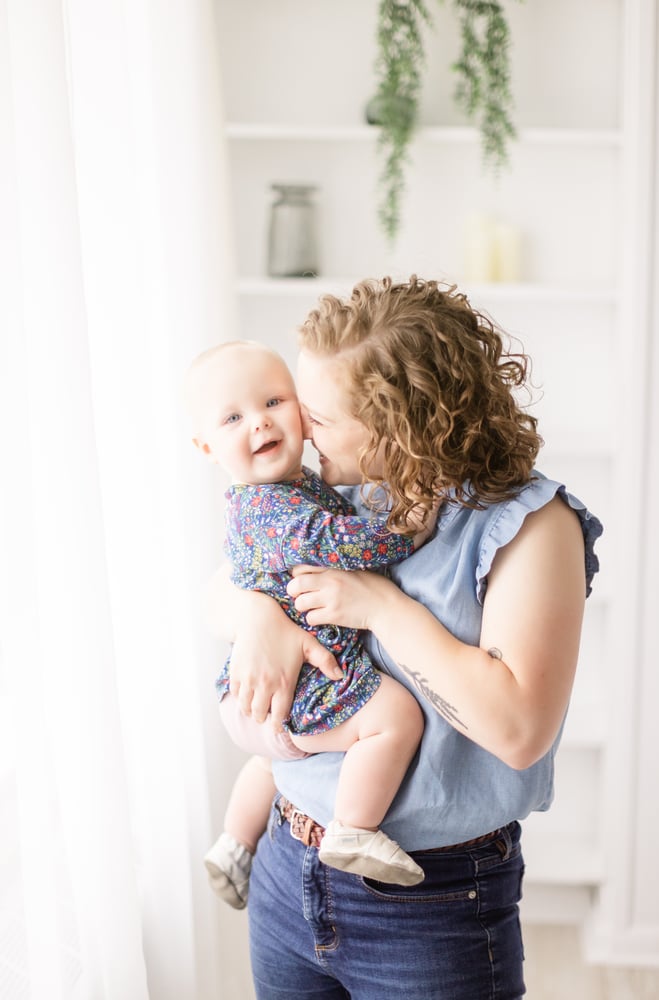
pixel 250 417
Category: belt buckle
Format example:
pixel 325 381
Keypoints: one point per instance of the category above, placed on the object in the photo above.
pixel 304 825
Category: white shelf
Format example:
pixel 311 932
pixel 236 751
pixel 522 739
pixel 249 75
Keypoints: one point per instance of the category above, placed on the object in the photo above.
pixel 585 726
pixel 262 131
pixel 292 287
pixel 500 292
pixel 281 132
pixel 561 859
pixel 541 293
pixel 555 904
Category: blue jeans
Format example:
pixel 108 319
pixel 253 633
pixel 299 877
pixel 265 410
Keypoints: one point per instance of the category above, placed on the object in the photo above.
pixel 321 934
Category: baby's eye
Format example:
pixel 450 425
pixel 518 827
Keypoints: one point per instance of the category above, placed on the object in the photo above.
pixel 233 418
pixel 273 402
pixel 312 420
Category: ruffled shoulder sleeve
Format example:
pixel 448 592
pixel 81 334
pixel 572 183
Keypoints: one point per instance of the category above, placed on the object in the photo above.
pixel 509 516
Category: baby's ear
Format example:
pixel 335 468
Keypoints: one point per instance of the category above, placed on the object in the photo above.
pixel 201 445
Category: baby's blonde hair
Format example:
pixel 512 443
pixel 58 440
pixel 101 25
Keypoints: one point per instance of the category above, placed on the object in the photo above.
pixel 201 369
pixel 429 378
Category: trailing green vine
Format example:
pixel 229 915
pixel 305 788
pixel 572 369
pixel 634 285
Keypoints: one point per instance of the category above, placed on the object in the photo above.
pixel 482 90
pixel 483 68
pixel 399 64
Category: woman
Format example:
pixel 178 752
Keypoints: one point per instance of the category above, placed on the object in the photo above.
pixel 406 388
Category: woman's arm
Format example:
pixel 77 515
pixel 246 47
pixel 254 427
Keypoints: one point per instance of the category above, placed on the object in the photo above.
pixel 268 648
pixel 510 693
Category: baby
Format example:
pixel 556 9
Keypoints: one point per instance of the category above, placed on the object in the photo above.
pixel 242 400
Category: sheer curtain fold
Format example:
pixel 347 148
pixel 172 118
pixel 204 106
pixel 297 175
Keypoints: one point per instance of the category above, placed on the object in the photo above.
pixel 118 271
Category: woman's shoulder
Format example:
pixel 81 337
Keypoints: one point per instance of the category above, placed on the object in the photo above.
pixel 502 521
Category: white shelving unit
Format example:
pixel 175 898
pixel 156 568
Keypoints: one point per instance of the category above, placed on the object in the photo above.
pixel 296 79
pixel 464 135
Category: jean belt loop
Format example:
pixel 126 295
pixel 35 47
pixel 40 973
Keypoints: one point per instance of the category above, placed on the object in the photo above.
pixel 278 807
pixel 505 842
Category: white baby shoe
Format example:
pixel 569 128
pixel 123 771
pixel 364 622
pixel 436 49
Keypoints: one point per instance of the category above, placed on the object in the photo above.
pixel 368 852
pixel 229 864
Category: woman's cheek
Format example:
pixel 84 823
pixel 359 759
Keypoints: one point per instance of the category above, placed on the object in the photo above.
pixel 319 439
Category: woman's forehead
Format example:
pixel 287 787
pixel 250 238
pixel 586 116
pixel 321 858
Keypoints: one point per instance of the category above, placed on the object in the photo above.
pixel 320 383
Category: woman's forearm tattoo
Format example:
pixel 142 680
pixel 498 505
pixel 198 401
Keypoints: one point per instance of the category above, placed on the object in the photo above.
pixel 449 712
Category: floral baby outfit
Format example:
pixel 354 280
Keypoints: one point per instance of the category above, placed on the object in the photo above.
pixel 273 527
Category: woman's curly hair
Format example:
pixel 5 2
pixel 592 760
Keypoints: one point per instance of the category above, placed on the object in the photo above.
pixel 429 378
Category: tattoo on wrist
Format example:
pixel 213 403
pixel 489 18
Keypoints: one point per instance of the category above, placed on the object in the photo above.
pixel 449 712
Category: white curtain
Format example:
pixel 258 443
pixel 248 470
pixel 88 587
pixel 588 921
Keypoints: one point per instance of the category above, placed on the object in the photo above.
pixel 115 273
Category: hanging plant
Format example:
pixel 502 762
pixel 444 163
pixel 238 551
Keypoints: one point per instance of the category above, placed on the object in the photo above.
pixel 482 91
pixel 483 88
pixel 395 105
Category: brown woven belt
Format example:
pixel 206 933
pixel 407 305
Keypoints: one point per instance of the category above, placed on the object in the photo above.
pixel 310 833
pixel 302 827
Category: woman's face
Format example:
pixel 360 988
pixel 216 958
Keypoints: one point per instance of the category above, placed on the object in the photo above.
pixel 337 436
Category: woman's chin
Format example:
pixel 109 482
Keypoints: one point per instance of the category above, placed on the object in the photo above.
pixel 328 472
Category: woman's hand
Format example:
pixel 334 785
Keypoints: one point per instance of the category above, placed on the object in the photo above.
pixel 268 648
pixel 268 652
pixel 339 597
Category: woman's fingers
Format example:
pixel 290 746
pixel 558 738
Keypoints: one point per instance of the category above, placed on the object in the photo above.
pixel 307 601
pixel 279 710
pixel 260 705
pixel 265 664
pixel 308 569
pixel 335 596
pixel 318 656
pixel 307 580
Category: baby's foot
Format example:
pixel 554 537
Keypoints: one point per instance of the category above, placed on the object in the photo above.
pixel 368 852
pixel 229 864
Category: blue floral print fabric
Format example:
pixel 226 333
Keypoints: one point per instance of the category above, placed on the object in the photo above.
pixel 273 527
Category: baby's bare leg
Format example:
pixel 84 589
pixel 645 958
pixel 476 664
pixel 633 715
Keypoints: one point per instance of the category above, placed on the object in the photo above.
pixel 249 804
pixel 229 861
pixel 380 741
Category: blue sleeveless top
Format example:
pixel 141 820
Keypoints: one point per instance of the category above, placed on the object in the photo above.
pixel 454 790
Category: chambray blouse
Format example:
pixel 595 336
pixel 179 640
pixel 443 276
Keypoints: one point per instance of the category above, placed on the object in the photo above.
pixel 454 790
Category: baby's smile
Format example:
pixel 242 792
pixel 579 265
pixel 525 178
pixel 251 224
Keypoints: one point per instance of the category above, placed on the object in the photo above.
pixel 268 446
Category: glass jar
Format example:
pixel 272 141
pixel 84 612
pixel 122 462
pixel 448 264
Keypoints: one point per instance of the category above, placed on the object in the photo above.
pixel 292 242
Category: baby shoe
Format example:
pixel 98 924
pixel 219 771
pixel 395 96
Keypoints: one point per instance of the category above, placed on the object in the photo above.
pixel 229 864
pixel 368 852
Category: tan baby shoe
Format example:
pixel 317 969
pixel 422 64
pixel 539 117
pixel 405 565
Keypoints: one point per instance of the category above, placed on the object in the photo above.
pixel 368 852
pixel 229 864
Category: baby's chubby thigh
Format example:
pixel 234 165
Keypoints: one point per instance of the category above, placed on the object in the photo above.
pixel 391 716
pixel 379 740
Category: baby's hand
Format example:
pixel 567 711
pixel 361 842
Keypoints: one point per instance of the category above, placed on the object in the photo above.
pixel 425 528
